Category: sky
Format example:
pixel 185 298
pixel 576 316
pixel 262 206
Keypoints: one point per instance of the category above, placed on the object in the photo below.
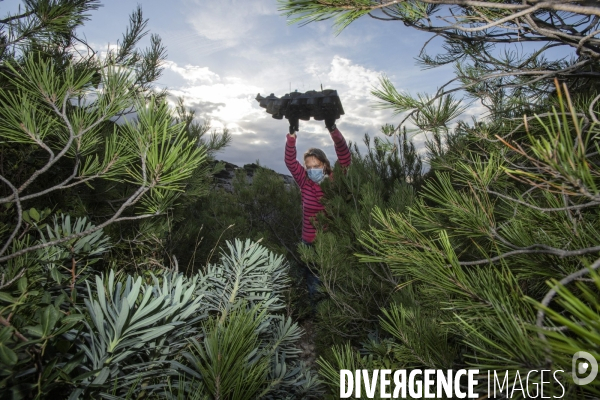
pixel 222 53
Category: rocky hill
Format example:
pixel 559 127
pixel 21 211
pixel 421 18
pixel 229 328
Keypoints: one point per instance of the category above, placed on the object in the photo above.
pixel 223 179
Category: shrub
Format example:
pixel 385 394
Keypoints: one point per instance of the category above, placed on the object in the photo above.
pixel 149 335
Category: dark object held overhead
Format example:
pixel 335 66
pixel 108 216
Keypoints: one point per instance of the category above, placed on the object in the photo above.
pixel 296 105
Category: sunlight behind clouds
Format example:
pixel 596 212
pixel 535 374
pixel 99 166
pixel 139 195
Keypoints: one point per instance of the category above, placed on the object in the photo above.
pixel 193 73
pixel 221 53
pixel 226 102
pixel 233 98
pixel 229 102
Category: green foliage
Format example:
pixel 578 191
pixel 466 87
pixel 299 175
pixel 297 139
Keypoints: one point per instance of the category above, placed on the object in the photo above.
pixel 43 22
pixel 196 131
pixel 228 360
pixel 58 134
pixel 134 328
pixel 132 336
pixel 344 357
pixel 62 150
pixel 74 184
pixel 259 207
pixel 576 321
pixel 309 11
pixel 494 221
pixel 510 202
pixel 151 154
pixel 39 306
pixel 428 113
pixel 255 278
pixel 502 53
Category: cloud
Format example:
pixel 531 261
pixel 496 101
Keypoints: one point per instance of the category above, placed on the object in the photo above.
pixel 231 99
pixel 228 21
pixel 356 77
pixel 252 50
pixel 222 26
pixel 229 102
pixel 193 73
pixel 355 83
pixel 476 110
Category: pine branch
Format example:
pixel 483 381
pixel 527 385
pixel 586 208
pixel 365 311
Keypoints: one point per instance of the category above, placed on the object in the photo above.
pixel 534 207
pixel 532 250
pixel 134 198
pixel 18 334
pixel 17 17
pixel 552 292
pixel 4 284
pixel 19 215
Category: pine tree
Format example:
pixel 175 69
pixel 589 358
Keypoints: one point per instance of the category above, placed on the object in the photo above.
pixel 506 212
pixel 259 206
pixel 507 218
pixel 503 52
pixel 62 153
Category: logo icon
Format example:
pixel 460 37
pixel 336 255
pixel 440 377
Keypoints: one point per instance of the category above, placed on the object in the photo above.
pixel 584 364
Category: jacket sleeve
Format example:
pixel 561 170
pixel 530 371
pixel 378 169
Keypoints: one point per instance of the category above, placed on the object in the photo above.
pixel 292 164
pixel 341 148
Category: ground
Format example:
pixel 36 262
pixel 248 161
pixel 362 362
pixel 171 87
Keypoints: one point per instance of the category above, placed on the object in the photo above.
pixel 307 344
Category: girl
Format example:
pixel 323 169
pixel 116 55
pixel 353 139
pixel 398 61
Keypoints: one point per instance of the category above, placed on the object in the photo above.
pixel 316 168
pixel 308 176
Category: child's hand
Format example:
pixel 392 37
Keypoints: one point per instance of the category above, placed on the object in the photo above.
pixel 330 122
pixel 294 124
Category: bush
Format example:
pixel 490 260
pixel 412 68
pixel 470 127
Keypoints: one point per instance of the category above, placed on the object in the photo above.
pixel 149 335
pixel 508 207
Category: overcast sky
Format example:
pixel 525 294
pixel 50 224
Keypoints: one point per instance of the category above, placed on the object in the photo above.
pixel 221 53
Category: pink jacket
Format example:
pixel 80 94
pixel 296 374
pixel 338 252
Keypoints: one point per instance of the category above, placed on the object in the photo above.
pixel 311 192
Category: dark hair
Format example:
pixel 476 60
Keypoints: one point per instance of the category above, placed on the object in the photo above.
pixel 319 155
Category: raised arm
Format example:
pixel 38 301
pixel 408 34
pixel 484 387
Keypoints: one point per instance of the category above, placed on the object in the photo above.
pixel 341 148
pixel 292 164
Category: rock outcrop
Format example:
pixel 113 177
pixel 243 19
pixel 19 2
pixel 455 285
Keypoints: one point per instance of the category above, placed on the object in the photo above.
pixel 224 178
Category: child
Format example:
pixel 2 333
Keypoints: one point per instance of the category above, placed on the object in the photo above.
pixel 316 168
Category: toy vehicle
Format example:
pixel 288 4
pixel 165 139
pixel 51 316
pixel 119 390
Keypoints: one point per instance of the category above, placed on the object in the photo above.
pixel 302 106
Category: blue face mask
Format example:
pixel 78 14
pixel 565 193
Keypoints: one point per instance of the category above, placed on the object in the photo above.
pixel 316 174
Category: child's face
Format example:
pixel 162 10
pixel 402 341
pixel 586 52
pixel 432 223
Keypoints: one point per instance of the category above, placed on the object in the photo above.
pixel 311 162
